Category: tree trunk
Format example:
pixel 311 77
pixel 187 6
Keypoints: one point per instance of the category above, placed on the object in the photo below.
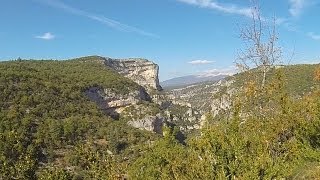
pixel 264 76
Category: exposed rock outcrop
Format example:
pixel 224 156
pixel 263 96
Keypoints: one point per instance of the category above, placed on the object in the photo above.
pixel 110 102
pixel 206 97
pixel 141 71
pixel 214 97
pixel 221 101
pixel 149 123
pixel 132 108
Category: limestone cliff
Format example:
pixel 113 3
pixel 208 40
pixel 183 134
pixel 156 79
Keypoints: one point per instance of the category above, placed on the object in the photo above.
pixel 112 103
pixel 141 71
pixel 140 109
pixel 149 123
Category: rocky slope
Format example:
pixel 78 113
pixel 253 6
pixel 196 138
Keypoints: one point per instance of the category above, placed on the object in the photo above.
pixel 191 80
pixel 216 97
pixel 112 103
pixel 147 107
pixel 203 97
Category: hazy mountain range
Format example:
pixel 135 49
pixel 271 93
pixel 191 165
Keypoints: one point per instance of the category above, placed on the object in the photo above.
pixel 191 79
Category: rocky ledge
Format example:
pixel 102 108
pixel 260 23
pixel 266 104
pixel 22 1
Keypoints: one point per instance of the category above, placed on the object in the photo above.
pixel 112 103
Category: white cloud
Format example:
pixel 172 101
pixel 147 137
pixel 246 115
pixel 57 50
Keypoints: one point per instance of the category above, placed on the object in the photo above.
pixel 46 36
pixel 281 20
pixel 196 62
pixel 104 20
pixel 225 8
pixel 216 72
pixel 296 7
pixel 311 62
pixel 314 36
pixel 233 9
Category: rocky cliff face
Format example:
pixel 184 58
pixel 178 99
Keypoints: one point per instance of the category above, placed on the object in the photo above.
pixel 205 97
pixel 222 97
pixel 214 97
pixel 112 103
pixel 137 108
pixel 149 123
pixel 141 71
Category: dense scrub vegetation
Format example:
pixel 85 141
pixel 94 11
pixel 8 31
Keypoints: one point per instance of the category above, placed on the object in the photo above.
pixel 299 79
pixel 47 124
pixel 270 135
pixel 50 130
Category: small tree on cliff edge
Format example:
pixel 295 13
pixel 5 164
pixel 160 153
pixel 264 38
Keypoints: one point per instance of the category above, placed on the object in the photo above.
pixel 261 50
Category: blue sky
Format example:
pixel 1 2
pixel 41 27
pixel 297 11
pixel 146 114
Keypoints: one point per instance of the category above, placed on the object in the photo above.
pixel 183 36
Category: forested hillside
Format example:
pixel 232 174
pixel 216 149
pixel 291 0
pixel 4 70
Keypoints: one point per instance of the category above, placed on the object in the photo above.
pixel 298 79
pixel 268 134
pixel 49 129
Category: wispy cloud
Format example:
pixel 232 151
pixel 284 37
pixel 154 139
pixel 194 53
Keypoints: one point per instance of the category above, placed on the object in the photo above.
pixel 314 36
pixel 281 20
pixel 46 36
pixel 296 7
pixel 98 18
pixel 197 62
pixel 225 8
pixel 216 72
pixel 315 61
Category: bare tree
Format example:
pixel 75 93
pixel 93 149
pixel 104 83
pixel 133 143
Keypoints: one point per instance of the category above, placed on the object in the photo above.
pixel 261 50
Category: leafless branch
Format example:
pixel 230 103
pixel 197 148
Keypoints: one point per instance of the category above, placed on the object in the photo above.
pixel 260 38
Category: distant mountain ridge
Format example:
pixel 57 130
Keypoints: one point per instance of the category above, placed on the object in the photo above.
pixel 209 96
pixel 191 79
